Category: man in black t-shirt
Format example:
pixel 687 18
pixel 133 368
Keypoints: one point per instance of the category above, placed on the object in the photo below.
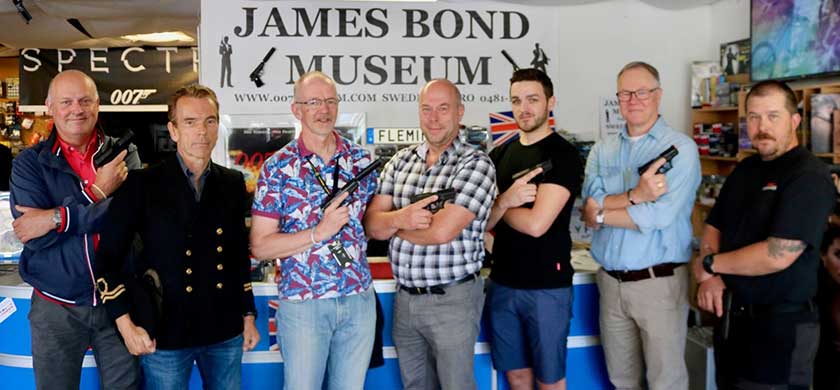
pixel 530 300
pixel 760 251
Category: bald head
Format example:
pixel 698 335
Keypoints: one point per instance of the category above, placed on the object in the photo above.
pixel 440 113
pixel 74 105
pixel 73 77
pixel 307 77
pixel 441 84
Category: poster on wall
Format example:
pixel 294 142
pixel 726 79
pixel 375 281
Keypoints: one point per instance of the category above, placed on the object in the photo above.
pixel 379 54
pixel 127 78
pixel 246 141
pixel 735 57
pixel 610 117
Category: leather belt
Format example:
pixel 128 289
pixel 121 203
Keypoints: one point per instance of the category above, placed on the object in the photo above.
pixel 774 308
pixel 439 288
pixel 657 271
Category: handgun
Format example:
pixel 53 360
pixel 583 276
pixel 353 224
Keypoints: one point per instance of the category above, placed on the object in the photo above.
pixel 668 155
pixel 727 307
pixel 351 185
pixel 510 59
pixel 256 75
pixel 545 165
pixel 105 156
pixel 444 195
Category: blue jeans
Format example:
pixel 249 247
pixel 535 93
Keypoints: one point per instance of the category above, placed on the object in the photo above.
pixel 220 366
pixel 329 338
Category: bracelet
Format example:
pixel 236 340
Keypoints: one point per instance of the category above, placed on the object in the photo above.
pixel 99 190
pixel 312 235
pixel 630 198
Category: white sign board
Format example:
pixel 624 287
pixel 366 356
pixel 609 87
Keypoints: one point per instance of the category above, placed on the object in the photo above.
pixel 610 116
pixel 7 308
pixel 379 53
pixel 398 136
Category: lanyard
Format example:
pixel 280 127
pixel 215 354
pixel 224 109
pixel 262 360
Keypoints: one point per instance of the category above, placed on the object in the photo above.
pixel 321 179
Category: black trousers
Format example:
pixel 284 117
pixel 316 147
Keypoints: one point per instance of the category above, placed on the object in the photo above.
pixel 766 349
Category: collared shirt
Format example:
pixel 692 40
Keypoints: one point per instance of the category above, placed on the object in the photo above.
pixel 665 230
pixel 288 190
pixel 472 175
pixel 201 179
pixel 82 163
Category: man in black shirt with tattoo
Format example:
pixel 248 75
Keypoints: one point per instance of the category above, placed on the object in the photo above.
pixel 759 255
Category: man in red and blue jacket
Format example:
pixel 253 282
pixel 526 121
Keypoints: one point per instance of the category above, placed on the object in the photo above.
pixel 59 199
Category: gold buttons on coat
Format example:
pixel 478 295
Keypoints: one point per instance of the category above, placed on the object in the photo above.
pixel 219 231
pixel 219 249
pixel 189 271
pixel 219 286
pixel 189 252
pixel 220 267
pixel 189 289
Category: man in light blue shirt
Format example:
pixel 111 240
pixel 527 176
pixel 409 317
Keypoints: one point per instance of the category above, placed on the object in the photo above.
pixel 642 237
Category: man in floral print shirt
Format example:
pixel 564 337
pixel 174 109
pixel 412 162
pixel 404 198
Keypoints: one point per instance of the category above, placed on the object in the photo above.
pixel 326 315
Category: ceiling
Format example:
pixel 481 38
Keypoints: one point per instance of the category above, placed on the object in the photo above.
pixel 107 20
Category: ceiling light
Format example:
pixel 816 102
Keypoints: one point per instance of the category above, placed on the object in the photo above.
pixel 168 36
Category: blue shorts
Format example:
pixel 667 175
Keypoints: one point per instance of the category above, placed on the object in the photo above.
pixel 529 329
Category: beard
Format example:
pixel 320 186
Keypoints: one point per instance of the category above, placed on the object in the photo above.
pixel 538 120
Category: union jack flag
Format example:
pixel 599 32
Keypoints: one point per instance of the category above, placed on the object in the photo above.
pixel 504 129
pixel 272 325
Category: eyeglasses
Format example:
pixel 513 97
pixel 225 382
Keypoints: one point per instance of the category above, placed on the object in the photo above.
pixel 315 103
pixel 641 94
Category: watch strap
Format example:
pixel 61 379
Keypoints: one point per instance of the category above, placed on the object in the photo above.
pixel 708 261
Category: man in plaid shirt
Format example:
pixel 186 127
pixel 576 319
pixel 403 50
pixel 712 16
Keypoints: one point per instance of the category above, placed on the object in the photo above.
pixel 436 257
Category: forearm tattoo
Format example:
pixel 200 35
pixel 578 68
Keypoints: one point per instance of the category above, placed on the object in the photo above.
pixel 778 248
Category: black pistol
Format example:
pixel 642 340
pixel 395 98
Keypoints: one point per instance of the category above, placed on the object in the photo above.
pixel 727 308
pixel 510 59
pixel 109 154
pixel 256 75
pixel 668 155
pixel 444 195
pixel 352 184
pixel 545 165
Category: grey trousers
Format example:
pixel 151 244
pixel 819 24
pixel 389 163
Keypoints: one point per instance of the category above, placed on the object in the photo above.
pixel 643 329
pixel 61 335
pixel 435 336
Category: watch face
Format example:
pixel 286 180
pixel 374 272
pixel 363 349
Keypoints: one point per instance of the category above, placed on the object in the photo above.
pixel 707 263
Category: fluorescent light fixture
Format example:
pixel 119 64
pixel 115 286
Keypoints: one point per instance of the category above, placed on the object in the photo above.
pixel 168 36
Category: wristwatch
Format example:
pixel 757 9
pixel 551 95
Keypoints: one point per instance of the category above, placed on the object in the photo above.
pixel 630 198
pixel 599 217
pixel 708 260
pixel 56 217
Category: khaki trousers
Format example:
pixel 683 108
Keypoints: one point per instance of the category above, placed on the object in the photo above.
pixel 643 330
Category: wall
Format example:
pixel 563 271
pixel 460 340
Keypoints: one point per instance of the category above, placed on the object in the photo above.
pixel 604 36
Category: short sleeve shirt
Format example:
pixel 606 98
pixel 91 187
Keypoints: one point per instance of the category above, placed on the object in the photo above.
pixel 471 174
pixel 289 191
pixel 522 261
pixel 789 197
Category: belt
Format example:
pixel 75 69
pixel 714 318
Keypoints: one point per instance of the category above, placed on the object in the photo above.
pixel 657 271
pixel 439 288
pixel 774 308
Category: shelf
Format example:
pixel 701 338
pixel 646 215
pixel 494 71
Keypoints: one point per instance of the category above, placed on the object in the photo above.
pixel 719 158
pixel 824 155
pixel 716 109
